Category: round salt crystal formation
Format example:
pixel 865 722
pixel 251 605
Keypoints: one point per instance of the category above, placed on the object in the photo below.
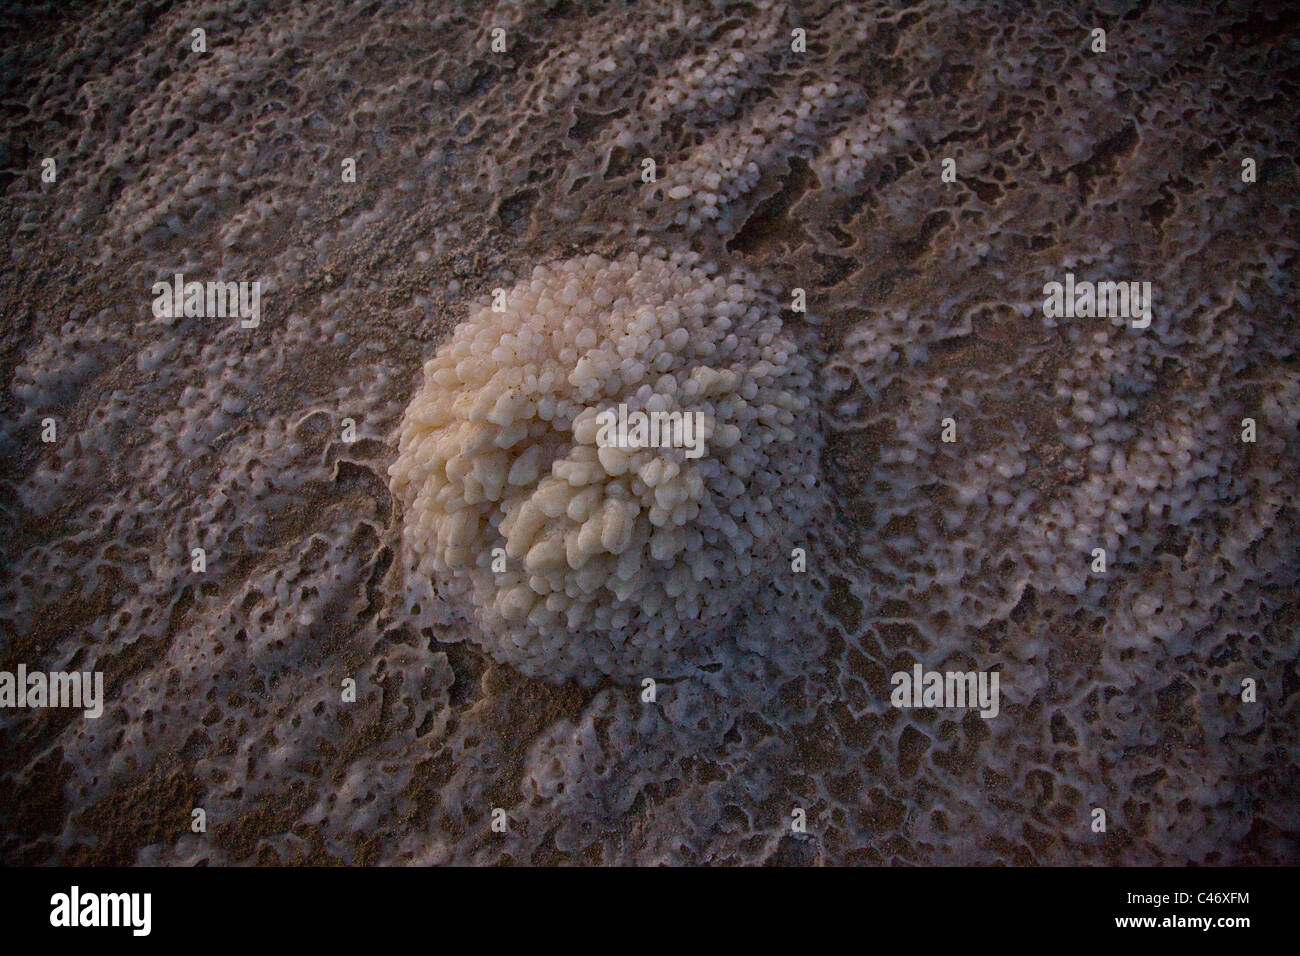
pixel 622 559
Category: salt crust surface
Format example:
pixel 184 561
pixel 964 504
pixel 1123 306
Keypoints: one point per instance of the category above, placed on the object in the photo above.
pixel 818 171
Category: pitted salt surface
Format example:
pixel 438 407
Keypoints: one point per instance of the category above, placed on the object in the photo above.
pixel 816 170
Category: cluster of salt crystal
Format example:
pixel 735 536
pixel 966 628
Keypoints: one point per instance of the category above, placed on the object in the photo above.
pixel 615 558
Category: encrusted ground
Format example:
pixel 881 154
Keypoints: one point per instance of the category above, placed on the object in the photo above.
pixel 820 170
